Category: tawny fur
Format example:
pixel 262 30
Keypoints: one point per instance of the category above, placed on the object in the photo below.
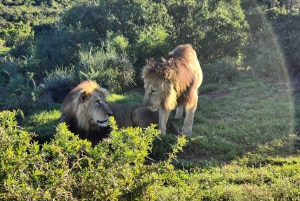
pixel 173 81
pixel 86 112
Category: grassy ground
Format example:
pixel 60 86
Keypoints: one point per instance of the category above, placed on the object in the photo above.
pixel 244 145
pixel 253 116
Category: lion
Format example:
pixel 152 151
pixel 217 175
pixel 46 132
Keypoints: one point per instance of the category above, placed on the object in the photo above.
pixel 173 81
pixel 86 112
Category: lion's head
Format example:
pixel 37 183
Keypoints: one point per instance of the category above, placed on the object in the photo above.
pixel 85 109
pixel 158 84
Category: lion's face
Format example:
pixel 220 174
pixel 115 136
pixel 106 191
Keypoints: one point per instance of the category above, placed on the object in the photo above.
pixel 153 94
pixel 97 110
pixel 86 108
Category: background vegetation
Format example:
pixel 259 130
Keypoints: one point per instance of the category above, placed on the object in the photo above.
pixel 245 144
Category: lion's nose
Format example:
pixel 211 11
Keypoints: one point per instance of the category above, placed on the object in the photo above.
pixel 110 113
pixel 145 102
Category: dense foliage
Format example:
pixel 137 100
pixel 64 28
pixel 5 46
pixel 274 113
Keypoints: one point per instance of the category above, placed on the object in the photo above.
pixel 110 40
pixel 57 44
pixel 69 168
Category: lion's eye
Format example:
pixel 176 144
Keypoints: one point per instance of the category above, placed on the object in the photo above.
pixel 153 91
pixel 98 102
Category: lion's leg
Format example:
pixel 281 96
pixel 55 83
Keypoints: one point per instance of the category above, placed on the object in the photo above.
pixel 190 113
pixel 179 111
pixel 163 119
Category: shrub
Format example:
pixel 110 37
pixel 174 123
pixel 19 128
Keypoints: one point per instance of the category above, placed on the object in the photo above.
pixel 56 47
pixel 117 42
pixel 69 168
pixel 18 86
pixel 222 71
pixel 110 70
pixel 59 82
pixel 20 92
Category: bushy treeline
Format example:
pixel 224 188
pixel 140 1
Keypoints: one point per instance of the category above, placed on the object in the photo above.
pixel 56 44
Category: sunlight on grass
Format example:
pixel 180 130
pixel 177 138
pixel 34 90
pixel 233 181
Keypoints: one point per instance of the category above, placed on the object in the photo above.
pixel 115 98
pixel 131 98
pixel 253 116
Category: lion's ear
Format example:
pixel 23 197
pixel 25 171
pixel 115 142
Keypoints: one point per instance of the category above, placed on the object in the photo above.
pixel 148 61
pixel 84 95
pixel 104 92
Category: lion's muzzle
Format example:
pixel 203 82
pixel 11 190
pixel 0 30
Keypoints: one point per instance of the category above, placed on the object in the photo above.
pixel 149 104
pixel 103 123
pixel 146 101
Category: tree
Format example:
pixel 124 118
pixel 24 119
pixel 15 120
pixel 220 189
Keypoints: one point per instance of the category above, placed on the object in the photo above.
pixel 217 29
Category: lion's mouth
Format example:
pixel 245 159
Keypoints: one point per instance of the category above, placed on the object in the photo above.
pixel 103 123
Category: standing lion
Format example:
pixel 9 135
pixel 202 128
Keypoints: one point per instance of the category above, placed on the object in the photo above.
pixel 86 112
pixel 173 81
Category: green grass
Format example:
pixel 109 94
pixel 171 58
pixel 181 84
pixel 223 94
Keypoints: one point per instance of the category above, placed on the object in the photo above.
pixel 255 117
pixel 244 145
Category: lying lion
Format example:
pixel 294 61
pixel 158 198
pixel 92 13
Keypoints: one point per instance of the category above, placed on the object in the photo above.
pixel 86 112
pixel 171 81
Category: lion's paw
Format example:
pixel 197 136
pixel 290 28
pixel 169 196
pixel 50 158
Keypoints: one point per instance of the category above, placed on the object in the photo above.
pixel 178 116
pixel 186 131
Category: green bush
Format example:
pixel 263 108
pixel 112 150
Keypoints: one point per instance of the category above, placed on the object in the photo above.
pixel 22 93
pixel 220 72
pixel 56 47
pixel 110 70
pixel 59 82
pixel 69 168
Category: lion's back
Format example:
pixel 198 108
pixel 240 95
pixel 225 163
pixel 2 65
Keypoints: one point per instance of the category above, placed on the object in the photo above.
pixel 189 72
